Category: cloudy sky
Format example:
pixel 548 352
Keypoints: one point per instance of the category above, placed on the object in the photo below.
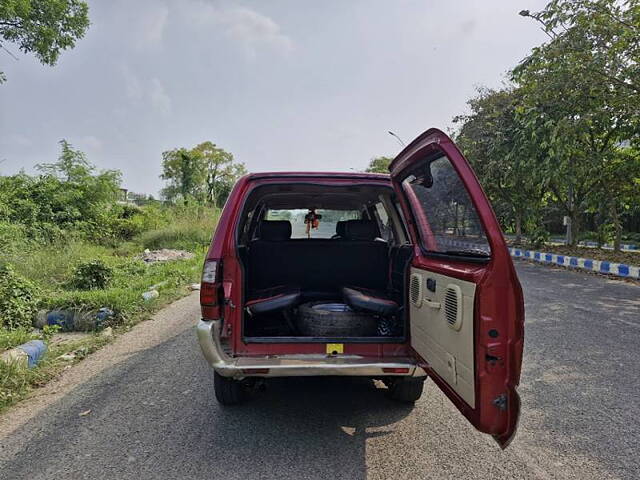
pixel 282 84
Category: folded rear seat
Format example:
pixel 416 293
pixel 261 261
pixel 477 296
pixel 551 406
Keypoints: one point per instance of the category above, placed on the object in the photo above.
pixel 360 298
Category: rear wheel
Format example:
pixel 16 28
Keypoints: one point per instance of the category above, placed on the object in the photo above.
pixel 406 390
pixel 228 391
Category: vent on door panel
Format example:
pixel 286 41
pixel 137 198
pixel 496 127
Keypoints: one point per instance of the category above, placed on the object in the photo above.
pixel 453 306
pixel 415 289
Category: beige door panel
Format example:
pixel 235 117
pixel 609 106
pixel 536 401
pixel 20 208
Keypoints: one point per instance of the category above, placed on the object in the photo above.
pixel 442 328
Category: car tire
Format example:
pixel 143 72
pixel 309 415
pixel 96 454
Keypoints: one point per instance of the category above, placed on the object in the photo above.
pixel 405 390
pixel 227 390
pixel 332 319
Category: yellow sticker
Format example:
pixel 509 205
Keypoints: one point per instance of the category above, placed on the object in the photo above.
pixel 335 348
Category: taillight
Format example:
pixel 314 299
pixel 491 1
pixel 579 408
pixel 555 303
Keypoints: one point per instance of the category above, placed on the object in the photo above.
pixel 211 290
pixel 395 370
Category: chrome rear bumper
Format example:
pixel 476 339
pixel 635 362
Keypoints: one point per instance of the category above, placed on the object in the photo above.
pixel 296 365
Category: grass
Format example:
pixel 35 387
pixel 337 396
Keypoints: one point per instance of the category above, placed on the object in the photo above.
pixel 50 267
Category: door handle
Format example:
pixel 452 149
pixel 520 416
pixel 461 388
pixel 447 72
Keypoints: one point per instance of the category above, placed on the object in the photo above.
pixel 431 304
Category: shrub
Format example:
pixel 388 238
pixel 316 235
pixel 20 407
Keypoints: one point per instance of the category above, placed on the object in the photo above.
pixel 18 300
pixel 538 237
pixel 91 275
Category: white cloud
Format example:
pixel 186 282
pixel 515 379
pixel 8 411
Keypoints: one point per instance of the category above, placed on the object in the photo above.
pixel 152 26
pixel 159 98
pixel 132 85
pixel 247 27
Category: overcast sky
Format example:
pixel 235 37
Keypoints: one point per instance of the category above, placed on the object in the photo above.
pixel 282 84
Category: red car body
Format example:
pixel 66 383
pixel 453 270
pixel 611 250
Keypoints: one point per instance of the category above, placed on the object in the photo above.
pixel 498 312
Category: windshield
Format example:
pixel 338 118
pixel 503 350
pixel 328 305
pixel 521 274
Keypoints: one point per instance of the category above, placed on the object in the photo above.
pixel 318 223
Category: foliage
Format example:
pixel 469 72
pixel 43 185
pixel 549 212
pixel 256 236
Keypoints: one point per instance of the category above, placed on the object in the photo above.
pixel 69 197
pixel 43 27
pixel 579 99
pixel 379 165
pixel 203 173
pixel 18 300
pixel 495 140
pixel 91 275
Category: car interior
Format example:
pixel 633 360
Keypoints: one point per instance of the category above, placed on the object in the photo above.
pixel 335 248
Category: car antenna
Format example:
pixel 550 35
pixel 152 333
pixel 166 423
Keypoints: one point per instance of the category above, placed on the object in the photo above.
pixel 397 138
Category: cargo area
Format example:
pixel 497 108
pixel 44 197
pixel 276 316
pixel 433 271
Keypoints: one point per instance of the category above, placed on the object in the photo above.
pixel 341 278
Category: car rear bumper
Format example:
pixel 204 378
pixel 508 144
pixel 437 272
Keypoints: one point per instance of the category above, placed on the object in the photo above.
pixel 298 365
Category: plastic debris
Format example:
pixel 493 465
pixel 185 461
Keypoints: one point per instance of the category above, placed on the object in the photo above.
pixel 26 355
pixel 85 413
pixel 71 320
pixel 107 332
pixel 15 356
pixel 158 285
pixel 150 295
pixel 67 357
pixel 194 286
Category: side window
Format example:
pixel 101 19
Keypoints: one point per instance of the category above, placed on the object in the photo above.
pixel 447 219
pixel 386 230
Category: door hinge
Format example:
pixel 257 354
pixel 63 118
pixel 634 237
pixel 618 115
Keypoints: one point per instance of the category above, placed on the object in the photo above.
pixel 501 402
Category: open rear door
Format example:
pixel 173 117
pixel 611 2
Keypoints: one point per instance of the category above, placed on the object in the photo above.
pixel 465 302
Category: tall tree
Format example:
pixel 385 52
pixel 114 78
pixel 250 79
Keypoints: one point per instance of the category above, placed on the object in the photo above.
pixel 500 149
pixel 42 27
pixel 578 95
pixel 204 173
pixel 221 171
pixel 186 174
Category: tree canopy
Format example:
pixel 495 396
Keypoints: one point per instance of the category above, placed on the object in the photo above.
pixel 564 135
pixel 379 165
pixel 204 173
pixel 43 27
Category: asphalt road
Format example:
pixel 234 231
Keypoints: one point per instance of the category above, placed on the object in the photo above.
pixel 153 413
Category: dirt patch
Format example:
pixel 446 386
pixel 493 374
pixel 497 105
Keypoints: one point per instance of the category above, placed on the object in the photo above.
pixel 164 255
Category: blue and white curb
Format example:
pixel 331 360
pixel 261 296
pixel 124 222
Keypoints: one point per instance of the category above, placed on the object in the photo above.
pixel 599 266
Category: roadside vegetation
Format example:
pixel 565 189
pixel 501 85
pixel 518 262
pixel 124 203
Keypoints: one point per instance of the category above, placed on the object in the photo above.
pixel 72 240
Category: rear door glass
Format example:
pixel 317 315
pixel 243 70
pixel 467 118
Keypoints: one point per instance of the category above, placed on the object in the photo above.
pixel 326 225
pixel 451 224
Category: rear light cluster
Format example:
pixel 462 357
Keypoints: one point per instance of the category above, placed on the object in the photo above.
pixel 211 290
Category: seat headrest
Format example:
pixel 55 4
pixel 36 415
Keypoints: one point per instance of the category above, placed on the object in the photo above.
pixel 360 230
pixel 340 227
pixel 275 230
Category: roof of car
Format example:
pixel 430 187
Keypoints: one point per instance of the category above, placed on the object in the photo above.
pixel 344 175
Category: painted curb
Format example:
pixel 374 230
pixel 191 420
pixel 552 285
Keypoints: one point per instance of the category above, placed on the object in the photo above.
pixel 600 266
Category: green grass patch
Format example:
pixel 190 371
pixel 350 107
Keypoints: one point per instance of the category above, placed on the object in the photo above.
pixel 54 268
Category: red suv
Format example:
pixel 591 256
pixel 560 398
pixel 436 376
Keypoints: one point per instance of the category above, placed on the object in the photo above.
pixel 396 277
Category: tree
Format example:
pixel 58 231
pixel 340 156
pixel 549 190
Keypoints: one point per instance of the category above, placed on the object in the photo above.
pixel 580 97
pixel 498 146
pixel 221 171
pixel 186 174
pixel 72 164
pixel 43 27
pixel 379 165
pixel 204 173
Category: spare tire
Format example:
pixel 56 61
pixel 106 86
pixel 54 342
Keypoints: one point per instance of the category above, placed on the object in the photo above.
pixel 332 319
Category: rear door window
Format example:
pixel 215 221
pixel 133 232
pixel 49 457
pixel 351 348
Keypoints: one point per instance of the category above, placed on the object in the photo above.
pixel 326 225
pixel 450 222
